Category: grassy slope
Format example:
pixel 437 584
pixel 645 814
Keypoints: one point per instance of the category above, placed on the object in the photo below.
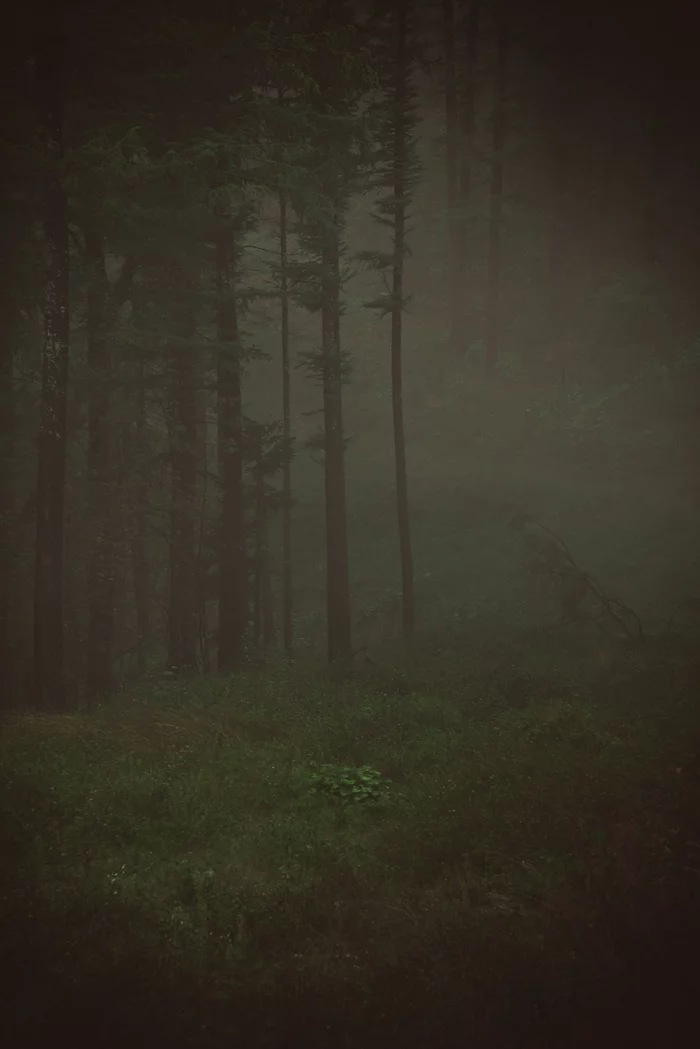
pixel 174 874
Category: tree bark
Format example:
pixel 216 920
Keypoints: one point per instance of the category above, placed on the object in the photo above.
pixel 49 666
pixel 493 289
pixel 400 189
pixel 452 131
pixel 183 384
pixel 135 451
pixel 287 584
pixel 10 528
pixel 101 583
pixel 233 568
pixel 337 565
pixel 466 145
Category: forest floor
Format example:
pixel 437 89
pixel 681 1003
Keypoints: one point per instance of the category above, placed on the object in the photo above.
pixel 388 858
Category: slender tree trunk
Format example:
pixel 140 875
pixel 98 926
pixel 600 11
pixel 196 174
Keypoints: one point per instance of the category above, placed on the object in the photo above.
pixel 10 535
pixel 135 453
pixel 337 565
pixel 9 669
pixel 258 554
pixel 466 145
pixel 51 464
pixel 268 604
pixel 233 568
pixel 203 459
pixel 452 130
pixel 287 586
pixel 101 584
pixel 400 193
pixel 493 289
pixel 182 609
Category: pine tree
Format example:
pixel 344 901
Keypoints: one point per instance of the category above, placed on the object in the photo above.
pixel 51 464
pixel 233 573
pixel 396 173
pixel 336 161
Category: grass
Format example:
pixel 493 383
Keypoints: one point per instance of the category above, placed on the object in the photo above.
pixel 280 859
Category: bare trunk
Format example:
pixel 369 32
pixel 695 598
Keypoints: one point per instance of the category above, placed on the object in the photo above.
pixel 101 586
pixel 400 191
pixel 337 567
pixel 466 145
pixel 203 459
pixel 268 603
pixel 493 290
pixel 182 610
pixel 233 570
pixel 287 590
pixel 51 463
pixel 140 569
pixel 452 129
pixel 10 530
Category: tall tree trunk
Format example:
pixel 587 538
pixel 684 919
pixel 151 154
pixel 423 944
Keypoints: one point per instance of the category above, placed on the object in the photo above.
pixel 263 630
pixel 452 132
pixel 337 566
pixel 9 668
pixel 400 189
pixel 268 603
pixel 233 568
pixel 467 83
pixel 493 288
pixel 51 461
pixel 203 460
pixel 10 535
pixel 287 585
pixel 101 586
pixel 258 550
pixel 183 385
pixel 140 569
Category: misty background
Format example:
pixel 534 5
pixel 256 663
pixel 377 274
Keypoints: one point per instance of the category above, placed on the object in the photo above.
pixel 568 394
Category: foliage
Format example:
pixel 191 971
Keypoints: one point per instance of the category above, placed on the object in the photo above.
pixel 347 784
pixel 182 823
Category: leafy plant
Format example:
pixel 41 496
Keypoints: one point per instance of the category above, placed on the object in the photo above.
pixel 348 784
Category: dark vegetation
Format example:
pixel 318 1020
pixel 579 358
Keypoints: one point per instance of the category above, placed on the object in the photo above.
pixel 447 855
pixel 349 561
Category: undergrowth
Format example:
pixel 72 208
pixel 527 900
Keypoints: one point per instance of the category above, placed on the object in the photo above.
pixel 292 860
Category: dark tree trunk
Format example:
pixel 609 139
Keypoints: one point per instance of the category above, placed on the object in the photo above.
pixel 452 131
pixel 400 189
pixel 51 461
pixel 9 668
pixel 135 451
pixel 183 384
pixel 101 586
pixel 203 460
pixel 337 566
pixel 466 144
pixel 233 570
pixel 493 289
pixel 287 588
pixel 10 533
pixel 258 554
pixel 268 603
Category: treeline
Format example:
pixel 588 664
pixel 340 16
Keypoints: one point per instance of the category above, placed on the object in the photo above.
pixel 150 151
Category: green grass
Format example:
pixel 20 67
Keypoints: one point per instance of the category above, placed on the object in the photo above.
pixel 281 853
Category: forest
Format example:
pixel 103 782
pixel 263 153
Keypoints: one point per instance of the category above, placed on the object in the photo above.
pixel 349 493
